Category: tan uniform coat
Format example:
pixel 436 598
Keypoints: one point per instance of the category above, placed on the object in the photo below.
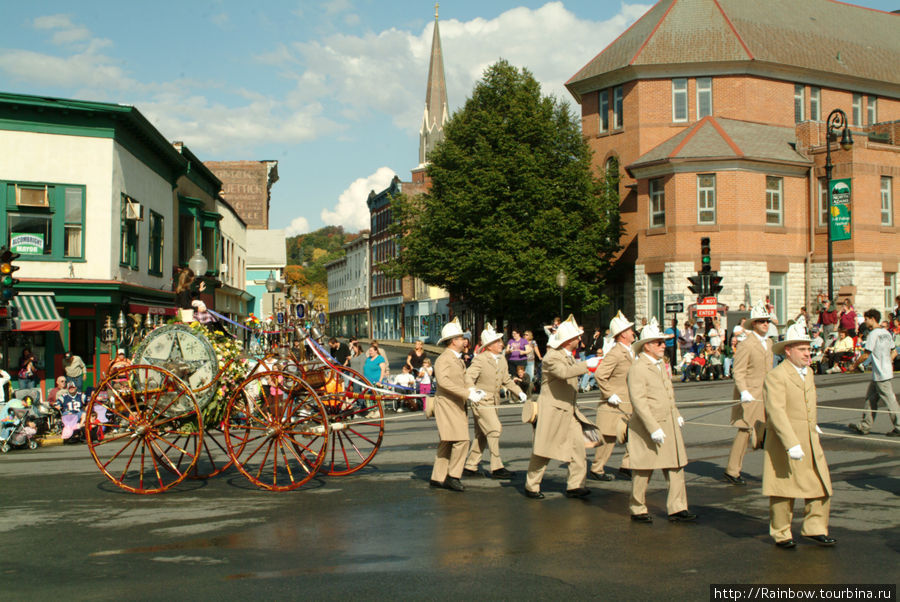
pixel 489 375
pixel 653 399
pixel 450 397
pixel 791 410
pixel 611 377
pixel 751 364
pixel 556 405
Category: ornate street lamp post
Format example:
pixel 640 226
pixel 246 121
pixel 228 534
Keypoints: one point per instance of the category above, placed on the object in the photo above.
pixel 837 120
pixel 561 281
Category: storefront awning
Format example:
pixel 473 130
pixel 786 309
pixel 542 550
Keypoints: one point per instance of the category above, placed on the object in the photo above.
pixel 37 312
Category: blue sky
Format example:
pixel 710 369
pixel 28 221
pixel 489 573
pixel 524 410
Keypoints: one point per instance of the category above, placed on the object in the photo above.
pixel 334 91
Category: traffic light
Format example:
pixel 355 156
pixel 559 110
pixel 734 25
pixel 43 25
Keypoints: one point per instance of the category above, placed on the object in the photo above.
pixel 7 282
pixel 8 314
pixel 697 283
pixel 715 284
pixel 705 262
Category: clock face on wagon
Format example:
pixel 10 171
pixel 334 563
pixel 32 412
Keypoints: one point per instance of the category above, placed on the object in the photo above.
pixel 182 351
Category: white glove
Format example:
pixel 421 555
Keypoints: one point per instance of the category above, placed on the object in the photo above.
pixel 818 430
pixel 658 436
pixel 522 396
pixel 592 362
pixel 680 421
pixel 796 453
pixel 746 396
pixel 475 395
pixel 613 400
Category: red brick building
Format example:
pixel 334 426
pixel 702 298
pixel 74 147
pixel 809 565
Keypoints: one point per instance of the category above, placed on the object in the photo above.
pixel 247 186
pixel 714 113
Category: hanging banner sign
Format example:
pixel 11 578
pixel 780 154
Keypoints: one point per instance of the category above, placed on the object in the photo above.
pixel 840 209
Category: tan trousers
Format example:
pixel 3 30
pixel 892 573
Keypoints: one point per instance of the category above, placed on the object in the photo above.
pixel 738 450
pixel 492 441
pixel 603 453
pixel 815 516
pixel 577 463
pixel 451 455
pixel 675 502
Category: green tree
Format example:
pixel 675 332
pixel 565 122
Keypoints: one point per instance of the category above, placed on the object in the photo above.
pixel 513 201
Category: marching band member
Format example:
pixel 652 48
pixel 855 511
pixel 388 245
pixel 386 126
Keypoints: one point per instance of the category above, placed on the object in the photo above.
pixel 654 432
pixel 488 372
pixel 752 361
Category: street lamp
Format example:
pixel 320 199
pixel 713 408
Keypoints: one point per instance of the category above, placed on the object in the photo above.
pixel 837 120
pixel 561 281
pixel 271 283
pixel 198 263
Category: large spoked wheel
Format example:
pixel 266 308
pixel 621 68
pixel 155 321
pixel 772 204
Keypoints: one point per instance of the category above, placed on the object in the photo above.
pixel 276 431
pixel 357 427
pixel 144 429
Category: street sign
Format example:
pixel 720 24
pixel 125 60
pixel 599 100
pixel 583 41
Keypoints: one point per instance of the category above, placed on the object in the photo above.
pixel 706 311
pixel 709 301
pixel 674 308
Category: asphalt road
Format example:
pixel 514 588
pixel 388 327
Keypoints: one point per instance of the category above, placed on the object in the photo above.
pixel 69 533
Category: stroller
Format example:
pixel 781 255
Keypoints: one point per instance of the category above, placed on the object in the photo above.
pixel 46 416
pixel 18 426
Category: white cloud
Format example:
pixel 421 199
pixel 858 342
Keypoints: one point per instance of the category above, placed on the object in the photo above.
pixel 351 210
pixel 299 225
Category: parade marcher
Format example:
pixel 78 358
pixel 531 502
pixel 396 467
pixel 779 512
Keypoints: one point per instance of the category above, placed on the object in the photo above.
pixel 794 465
pixel 752 361
pixel 654 431
pixel 880 346
pixel 614 409
pixel 489 372
pixel 560 424
pixel 450 409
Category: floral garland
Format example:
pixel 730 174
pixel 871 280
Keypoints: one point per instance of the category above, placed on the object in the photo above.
pixel 229 378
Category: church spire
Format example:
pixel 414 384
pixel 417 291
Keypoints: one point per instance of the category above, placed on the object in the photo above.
pixel 436 109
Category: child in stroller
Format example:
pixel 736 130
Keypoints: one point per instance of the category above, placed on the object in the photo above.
pixel 17 426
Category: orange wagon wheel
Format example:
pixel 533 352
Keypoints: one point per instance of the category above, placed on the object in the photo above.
pixel 276 431
pixel 357 428
pixel 144 429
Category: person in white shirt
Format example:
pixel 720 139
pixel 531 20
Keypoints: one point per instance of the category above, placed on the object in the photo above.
pixel 880 346
pixel 5 379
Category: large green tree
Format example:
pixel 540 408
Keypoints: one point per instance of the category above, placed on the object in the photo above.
pixel 514 201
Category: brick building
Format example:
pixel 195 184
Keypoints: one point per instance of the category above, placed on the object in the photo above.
pixel 713 112
pixel 247 186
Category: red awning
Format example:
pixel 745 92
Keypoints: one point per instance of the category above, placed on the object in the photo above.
pixel 153 310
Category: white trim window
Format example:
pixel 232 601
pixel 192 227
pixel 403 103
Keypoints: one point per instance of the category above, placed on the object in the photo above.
pixel 706 198
pixel 857 109
pixel 656 293
pixel 618 108
pixel 823 203
pixel 603 109
pixel 872 110
pixel 815 103
pixel 657 203
pixel 679 99
pixel 774 201
pixel 890 290
pixel 778 294
pixel 799 103
pixel 887 201
pixel 704 97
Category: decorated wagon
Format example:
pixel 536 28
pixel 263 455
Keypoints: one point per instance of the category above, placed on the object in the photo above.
pixel 193 404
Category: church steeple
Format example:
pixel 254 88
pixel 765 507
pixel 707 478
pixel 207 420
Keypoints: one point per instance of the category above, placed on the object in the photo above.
pixel 436 108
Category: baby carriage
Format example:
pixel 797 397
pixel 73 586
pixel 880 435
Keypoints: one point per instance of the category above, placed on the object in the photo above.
pixel 17 426
pixel 46 417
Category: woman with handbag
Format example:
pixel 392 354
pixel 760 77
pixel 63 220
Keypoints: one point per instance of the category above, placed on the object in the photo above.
pixel 27 370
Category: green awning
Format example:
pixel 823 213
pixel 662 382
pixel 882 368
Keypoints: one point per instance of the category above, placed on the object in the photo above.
pixel 36 312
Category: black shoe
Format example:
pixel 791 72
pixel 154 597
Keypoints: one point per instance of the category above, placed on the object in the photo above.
pixel 787 544
pixel 470 473
pixel 893 433
pixel 822 540
pixel 642 518
pixel 578 493
pixel 858 428
pixel 502 473
pixel 437 484
pixel 600 476
pixel 535 495
pixel 453 484
pixel 682 517
pixel 738 480
pixel 625 474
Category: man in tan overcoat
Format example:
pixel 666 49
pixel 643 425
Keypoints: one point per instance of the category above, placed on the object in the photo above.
pixel 752 361
pixel 614 409
pixel 450 409
pixel 489 372
pixel 794 463
pixel 560 424
pixel 654 432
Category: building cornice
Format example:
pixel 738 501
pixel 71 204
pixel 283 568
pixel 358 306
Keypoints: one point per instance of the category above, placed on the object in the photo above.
pixel 663 167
